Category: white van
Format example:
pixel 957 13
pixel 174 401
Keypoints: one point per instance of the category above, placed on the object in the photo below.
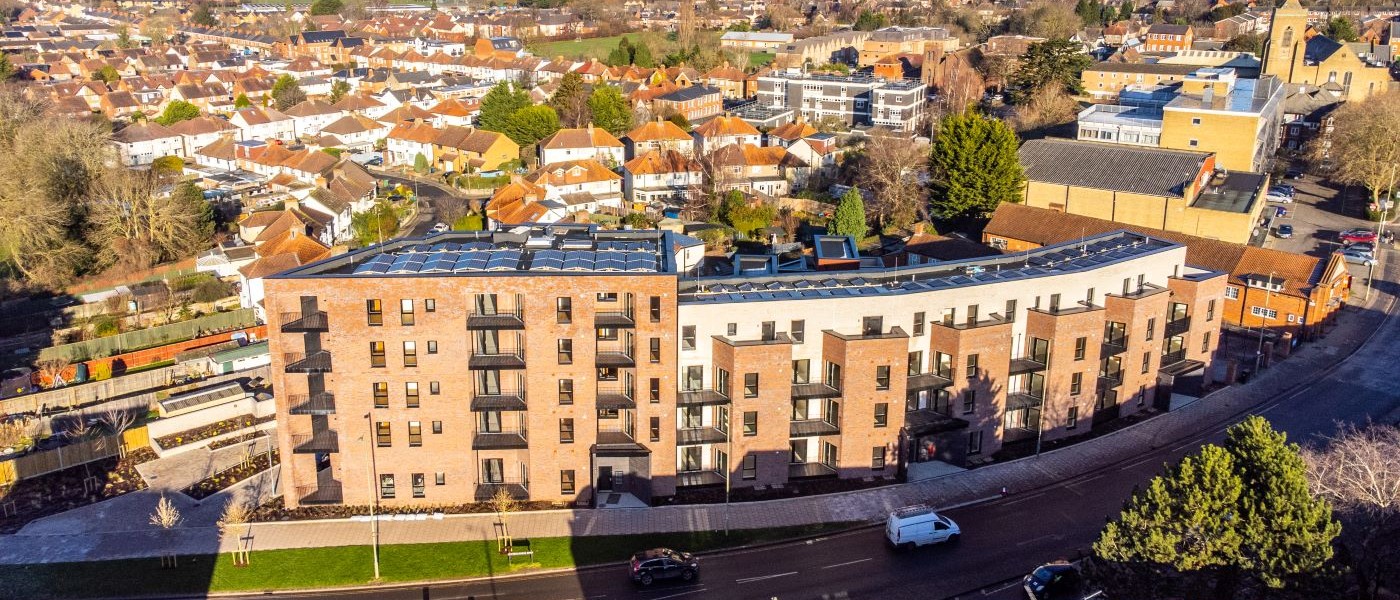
pixel 918 525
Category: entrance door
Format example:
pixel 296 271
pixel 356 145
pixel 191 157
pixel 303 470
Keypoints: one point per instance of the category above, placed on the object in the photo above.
pixel 605 479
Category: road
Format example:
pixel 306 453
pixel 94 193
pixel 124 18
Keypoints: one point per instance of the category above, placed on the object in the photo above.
pixel 1001 540
pixel 428 197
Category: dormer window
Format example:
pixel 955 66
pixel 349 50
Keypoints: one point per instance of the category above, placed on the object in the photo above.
pixel 1274 284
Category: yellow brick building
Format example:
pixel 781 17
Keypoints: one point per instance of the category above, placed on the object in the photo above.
pixel 1295 57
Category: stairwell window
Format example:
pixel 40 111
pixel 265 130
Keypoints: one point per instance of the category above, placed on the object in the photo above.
pixel 882 377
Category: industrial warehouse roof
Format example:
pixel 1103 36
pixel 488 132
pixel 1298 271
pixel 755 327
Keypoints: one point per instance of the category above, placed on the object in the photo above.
pixel 1111 166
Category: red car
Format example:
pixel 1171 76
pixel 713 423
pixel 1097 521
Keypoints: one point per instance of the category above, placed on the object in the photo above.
pixel 1357 236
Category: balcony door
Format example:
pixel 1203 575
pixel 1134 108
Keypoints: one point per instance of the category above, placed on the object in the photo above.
pixel 488 383
pixel 486 304
pixel 488 342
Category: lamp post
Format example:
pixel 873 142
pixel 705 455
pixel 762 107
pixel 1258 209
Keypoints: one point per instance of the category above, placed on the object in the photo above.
pixel 374 493
pixel 1264 316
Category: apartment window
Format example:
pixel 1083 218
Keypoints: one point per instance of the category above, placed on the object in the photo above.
pixel 1054 303
pixel 1076 384
pixel 374 309
pixel 432 346
pixel 656 429
pixel 655 309
pixel 566 431
pixel 437 427
pixel 1232 293
pixel 419 482
pixel 566 481
pixel 798 331
pixel 688 337
pixel 882 377
pixel 882 414
pixel 607 333
pixel 386 486
pixel 1151 327
pixel 1263 312
pixel 750 423
pixel 383 434
pixel 969 398
pixel 566 352
pixel 406 311
pixel 972 366
pixel 1195 120
pixel 381 394
pixel 607 296
pixel 750 385
pixel 1010 310
pixel 1210 310
pixel 493 470
pixel 1081 345
pixel 1072 417
pixel 1142 395
pixel 833 375
pixel 877 458
pixel 654 390
pixel 410 394
pixel 654 352
pixel 440 478
pixel 429 305
pixel 1205 342
pixel 918 323
pixel 916 362
pixel 410 354
pixel 974 443
pixel 1146 361
pixel 566 391
pixel 731 329
pixel 376 354
pixel 750 469
pixel 722 381
pixel 415 433
pixel 564 309
pixel 434 388
pixel 802 371
pixel 1193 143
pixel 694 377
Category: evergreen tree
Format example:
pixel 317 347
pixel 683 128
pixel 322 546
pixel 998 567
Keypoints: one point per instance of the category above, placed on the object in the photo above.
pixel 974 166
pixel 7 68
pixel 680 121
pixel 420 163
pixel 610 110
pixel 736 212
pixel 1057 62
pixel 849 218
pixel 339 88
pixel 641 56
pixel 203 16
pixel 241 102
pixel 176 111
pixel 1341 29
pixel 570 100
pixel 621 55
pixel 531 124
pixel 499 104
pixel 286 92
pixel 1125 11
pixel 326 7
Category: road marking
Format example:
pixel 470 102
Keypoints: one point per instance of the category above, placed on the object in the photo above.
pixel 1053 537
pixel 753 579
pixel 1019 500
pixel 1014 583
pixel 678 595
pixel 848 563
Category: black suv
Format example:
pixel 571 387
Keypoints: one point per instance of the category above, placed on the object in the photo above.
pixel 663 563
pixel 1054 582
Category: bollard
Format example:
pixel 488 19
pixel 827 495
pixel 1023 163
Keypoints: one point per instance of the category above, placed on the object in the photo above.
pixel 1287 347
pixel 1268 358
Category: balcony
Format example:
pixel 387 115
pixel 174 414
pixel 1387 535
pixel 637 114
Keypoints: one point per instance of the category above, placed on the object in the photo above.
pixel 1113 347
pixel 1024 399
pixel 499 400
pixel 301 362
pixel 500 440
pixel 695 436
pixel 614 318
pixel 1171 358
pixel 319 403
pixel 1029 364
pixel 814 390
pixel 615 356
pixel 501 319
pixel 304 322
pixel 810 471
pixel 812 427
pixel 701 398
pixel 516 487
pixel 1111 378
pixel 1178 326
pixel 324 493
pixel 499 358
pixel 699 478
pixel 615 397
pixel 927 381
pixel 316 443
pixel 927 421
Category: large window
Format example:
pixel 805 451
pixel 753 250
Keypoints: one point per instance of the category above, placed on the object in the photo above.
pixel 374 309
pixel 750 385
pixel 415 433
pixel 566 481
pixel 1263 312
pixel 493 470
pixel 376 354
pixel 410 354
pixel 750 423
pixel 383 434
pixel 386 486
pixel 381 394
pixel 688 337
pixel 406 311
pixel 564 309
pixel 410 393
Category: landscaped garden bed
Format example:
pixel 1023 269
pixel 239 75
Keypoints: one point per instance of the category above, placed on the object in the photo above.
pixel 223 480
pixel 275 511
pixel 218 428
pixel 30 499
pixel 239 439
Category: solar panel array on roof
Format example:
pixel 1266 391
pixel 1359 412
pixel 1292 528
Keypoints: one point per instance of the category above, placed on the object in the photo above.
pixel 633 257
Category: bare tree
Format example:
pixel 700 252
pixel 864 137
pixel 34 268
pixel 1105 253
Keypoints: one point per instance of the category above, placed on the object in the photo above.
pixel 16 431
pixel 135 221
pixel 166 517
pixel 1359 472
pixel 891 170
pixel 1365 143
pixel 77 428
pixel 118 419
pixel 504 504
pixel 1048 107
pixel 450 209
pixel 686 24
pixel 236 512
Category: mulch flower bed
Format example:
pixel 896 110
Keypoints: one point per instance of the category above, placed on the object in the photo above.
pixel 813 487
pixel 276 511
pixel 218 482
pixel 190 436
pixel 233 441
pixel 36 497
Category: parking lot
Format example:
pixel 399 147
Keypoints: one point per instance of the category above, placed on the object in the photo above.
pixel 1319 212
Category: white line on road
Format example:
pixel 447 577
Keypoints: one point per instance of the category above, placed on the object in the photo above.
pixel 1019 500
pixel 1053 536
pixel 753 579
pixel 848 563
pixel 678 595
pixel 1001 589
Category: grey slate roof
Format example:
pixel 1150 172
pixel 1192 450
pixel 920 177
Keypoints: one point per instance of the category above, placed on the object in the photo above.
pixel 1110 166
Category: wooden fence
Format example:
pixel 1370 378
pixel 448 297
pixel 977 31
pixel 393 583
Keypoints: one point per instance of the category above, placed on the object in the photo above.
pixel 72 455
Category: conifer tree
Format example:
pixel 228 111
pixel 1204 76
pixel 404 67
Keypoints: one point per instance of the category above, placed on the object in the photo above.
pixel 849 218
pixel 974 166
pixel 610 110
pixel 499 104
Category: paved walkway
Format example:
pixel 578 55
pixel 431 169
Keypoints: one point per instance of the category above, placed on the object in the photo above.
pixel 132 537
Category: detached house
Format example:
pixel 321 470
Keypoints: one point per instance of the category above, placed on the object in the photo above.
pixel 139 144
pixel 309 116
pixel 583 143
pixel 658 135
pixel 356 131
pixel 521 202
pixel 723 131
pixel 258 123
pixel 583 185
pixel 465 149
pixel 407 141
pixel 199 132
pixel 751 168
pixel 661 176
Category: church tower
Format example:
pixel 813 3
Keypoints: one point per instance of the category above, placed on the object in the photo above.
pixel 1287 38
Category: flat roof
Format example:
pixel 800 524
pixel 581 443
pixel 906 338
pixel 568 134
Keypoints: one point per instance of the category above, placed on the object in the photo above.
pixel 1234 192
pixel 1115 114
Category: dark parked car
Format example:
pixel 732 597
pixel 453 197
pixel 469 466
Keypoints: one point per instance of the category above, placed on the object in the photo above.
pixel 1294 174
pixel 1285 231
pixel 1055 581
pixel 656 564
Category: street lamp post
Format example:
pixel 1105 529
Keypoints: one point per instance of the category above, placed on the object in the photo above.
pixel 1264 316
pixel 374 493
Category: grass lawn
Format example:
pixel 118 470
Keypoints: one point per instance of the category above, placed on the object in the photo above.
pixel 660 46
pixel 351 565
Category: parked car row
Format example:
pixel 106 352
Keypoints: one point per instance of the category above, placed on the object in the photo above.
pixel 1281 192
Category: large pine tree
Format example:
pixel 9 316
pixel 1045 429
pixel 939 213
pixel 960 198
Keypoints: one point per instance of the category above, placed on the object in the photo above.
pixel 570 100
pixel 610 110
pixel 849 218
pixel 974 166
pixel 499 104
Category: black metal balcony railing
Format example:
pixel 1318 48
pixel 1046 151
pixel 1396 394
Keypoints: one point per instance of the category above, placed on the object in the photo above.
pixel 812 427
pixel 616 434
pixel 301 362
pixel 1029 364
pixel 319 403
pixel 1178 326
pixel 1111 377
pixel 699 478
pixel 1171 358
pixel 1023 399
pixel 498 358
pixel 614 318
pixel 320 441
pixel 500 319
pixel 615 356
pixel 303 322
pixel 502 399
pixel 1113 346
pixel 810 470
pixel 695 436
pixel 500 440
pixel 516 487
pixel 701 398
pixel 615 397
pixel 814 390
pixel 324 493
pixel 927 381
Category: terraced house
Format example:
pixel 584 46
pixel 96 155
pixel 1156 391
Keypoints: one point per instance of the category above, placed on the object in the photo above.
pixel 560 362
